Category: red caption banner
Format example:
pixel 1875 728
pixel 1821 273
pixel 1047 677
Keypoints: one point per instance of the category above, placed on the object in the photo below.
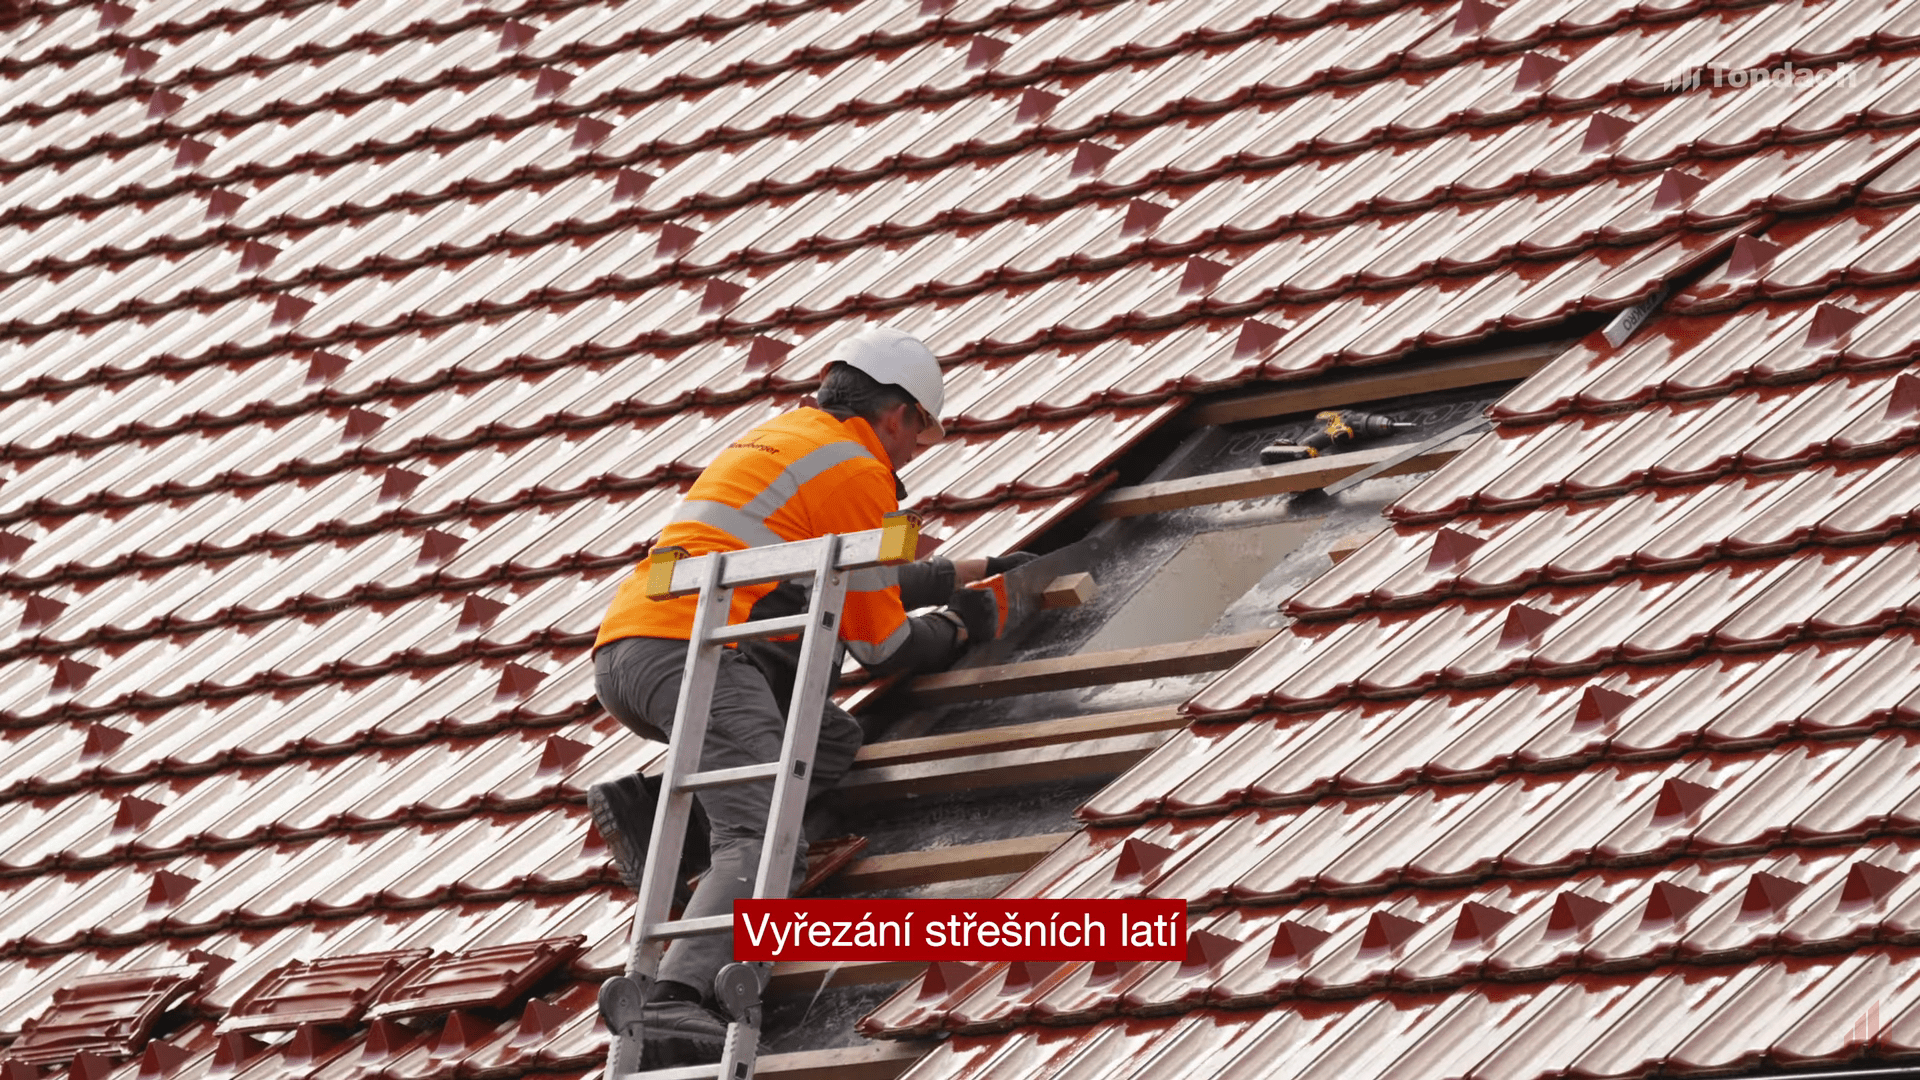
pixel 837 929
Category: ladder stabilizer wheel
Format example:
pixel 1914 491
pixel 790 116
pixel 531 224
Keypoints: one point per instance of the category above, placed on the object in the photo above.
pixel 737 988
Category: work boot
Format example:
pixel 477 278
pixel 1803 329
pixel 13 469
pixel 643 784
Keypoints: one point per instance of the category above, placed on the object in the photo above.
pixel 622 812
pixel 677 1031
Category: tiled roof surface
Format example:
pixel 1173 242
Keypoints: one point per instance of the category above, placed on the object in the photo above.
pixel 352 350
pixel 1597 759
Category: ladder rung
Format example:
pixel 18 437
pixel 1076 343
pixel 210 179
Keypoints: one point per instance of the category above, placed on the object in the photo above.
pixel 683 1072
pixel 679 928
pixel 740 774
pixel 759 628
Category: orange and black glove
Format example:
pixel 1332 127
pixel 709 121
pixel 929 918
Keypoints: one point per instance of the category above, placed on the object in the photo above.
pixel 982 606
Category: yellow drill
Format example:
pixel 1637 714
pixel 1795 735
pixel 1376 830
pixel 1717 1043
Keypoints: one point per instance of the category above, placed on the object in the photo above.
pixel 1337 427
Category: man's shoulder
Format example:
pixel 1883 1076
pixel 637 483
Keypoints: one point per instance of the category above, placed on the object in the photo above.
pixel 795 433
pixel 762 441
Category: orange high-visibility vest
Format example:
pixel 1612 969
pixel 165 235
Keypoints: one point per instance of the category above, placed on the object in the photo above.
pixel 800 475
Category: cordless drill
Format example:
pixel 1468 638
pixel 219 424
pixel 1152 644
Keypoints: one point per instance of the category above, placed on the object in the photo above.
pixel 1337 427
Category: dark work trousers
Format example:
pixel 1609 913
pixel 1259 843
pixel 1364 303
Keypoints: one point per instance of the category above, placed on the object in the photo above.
pixel 638 680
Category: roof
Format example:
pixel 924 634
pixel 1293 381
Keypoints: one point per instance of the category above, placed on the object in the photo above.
pixel 1595 761
pixel 353 350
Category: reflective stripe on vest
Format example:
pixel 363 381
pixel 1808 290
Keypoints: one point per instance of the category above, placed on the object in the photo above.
pixel 748 524
pixel 874 654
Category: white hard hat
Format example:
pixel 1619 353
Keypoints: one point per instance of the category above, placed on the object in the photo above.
pixel 898 358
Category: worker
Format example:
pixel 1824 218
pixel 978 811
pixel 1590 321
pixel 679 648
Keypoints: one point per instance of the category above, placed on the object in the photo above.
pixel 828 468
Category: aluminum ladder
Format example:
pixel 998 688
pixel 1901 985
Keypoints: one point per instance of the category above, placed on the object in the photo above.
pixel 823 563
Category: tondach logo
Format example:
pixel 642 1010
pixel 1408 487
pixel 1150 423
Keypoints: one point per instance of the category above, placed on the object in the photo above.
pixel 1788 76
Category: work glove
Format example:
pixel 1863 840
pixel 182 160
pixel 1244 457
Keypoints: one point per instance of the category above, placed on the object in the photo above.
pixel 982 606
pixel 1000 564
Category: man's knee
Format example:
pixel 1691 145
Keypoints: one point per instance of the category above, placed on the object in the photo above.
pixel 638 681
pixel 840 739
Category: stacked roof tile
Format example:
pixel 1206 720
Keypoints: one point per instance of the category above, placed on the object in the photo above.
pixel 352 351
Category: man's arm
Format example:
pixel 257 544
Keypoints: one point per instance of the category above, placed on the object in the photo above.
pixel 874 623
pixel 929 582
pixel 933 643
pixel 875 626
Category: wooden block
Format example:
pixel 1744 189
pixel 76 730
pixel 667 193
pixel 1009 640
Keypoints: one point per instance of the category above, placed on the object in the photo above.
pixel 1347 545
pixel 804 977
pixel 1060 763
pixel 1263 480
pixel 1504 365
pixel 1068 590
pixel 959 862
pixel 1087 669
pixel 1018 736
pixel 881 1060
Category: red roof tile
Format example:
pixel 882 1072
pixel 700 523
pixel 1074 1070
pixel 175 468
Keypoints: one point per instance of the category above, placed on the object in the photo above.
pixel 105 1015
pixel 1725 780
pixel 297 296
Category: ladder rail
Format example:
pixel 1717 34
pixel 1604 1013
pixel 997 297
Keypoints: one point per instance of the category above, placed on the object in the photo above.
pixel 827 562
pixel 670 819
pixel 787 806
pixel 684 744
pixel 804 707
